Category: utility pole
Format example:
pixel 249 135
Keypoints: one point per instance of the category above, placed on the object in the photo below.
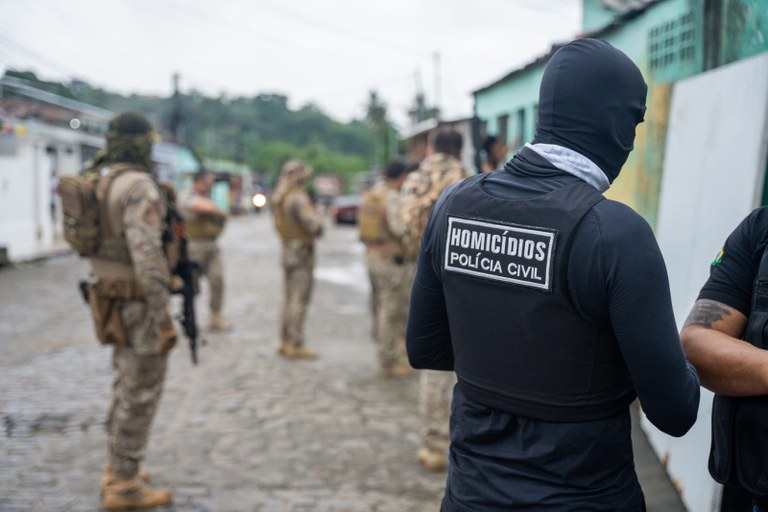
pixel 436 61
pixel 177 116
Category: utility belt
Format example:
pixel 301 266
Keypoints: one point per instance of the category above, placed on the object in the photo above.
pixel 116 289
pixel 105 296
pixel 204 228
pixel 390 249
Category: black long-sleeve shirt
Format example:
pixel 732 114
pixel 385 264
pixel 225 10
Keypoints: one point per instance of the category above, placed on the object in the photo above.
pixel 617 278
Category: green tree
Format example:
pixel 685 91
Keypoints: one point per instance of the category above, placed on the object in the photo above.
pixel 376 119
pixel 261 131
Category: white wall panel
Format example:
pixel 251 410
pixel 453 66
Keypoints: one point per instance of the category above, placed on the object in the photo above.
pixel 714 169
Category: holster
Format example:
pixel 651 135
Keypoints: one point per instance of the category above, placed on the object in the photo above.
pixel 105 297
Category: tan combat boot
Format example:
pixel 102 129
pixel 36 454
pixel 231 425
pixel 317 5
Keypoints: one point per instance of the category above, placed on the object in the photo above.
pixel 134 494
pixel 219 323
pixel 294 352
pixel 431 459
pixel 107 477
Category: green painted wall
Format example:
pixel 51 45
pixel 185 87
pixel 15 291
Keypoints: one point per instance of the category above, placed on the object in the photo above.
pixel 734 30
pixel 512 99
pixel 670 41
pixel 639 183
pixel 596 15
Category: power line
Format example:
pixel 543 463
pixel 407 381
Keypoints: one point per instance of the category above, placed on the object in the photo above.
pixel 63 18
pixel 243 30
pixel 535 6
pixel 337 30
pixel 39 58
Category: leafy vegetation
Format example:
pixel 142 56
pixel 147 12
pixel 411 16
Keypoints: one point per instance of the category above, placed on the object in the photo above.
pixel 260 131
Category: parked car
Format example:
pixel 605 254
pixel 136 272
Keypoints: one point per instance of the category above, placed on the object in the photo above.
pixel 344 208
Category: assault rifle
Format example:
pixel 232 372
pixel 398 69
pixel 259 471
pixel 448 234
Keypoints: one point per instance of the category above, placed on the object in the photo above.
pixel 188 271
pixel 185 276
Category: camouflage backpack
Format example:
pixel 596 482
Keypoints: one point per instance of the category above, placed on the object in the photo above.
pixel 371 218
pixel 81 212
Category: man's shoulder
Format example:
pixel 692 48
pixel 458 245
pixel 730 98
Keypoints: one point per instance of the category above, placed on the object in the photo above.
pixel 297 199
pixel 756 224
pixel 622 211
pixel 617 222
pixel 416 184
pixel 128 181
pixel 440 163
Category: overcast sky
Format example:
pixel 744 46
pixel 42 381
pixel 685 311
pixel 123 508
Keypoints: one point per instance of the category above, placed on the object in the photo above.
pixel 328 52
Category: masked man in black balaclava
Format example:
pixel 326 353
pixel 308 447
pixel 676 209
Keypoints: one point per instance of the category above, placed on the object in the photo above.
pixel 552 305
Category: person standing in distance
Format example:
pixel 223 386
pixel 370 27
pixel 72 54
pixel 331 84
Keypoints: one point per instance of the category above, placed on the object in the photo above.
pixel 389 272
pixel 203 224
pixel 298 223
pixel 494 152
pixel 440 168
pixel 552 305
pixel 131 288
pixel 724 338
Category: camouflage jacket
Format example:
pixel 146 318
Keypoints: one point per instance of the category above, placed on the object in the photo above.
pixel 297 218
pixel 419 194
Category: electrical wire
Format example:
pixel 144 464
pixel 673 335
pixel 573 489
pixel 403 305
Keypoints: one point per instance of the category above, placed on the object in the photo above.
pixel 37 57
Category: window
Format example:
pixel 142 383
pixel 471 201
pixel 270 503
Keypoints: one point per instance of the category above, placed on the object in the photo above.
pixel 672 43
pixel 520 129
pixel 502 124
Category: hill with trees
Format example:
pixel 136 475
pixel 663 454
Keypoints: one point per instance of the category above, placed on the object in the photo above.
pixel 261 131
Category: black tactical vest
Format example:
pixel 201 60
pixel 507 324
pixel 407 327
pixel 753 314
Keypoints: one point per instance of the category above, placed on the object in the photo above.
pixel 739 449
pixel 519 343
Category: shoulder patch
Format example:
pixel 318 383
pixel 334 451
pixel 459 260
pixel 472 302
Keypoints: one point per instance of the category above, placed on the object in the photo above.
pixel 508 253
pixel 719 258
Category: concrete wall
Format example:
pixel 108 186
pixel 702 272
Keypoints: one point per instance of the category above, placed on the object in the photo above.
pixel 510 98
pixel 30 154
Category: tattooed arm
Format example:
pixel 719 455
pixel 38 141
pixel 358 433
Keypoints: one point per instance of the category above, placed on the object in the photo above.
pixel 726 364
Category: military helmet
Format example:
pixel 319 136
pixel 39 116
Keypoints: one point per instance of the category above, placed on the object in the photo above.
pixel 130 123
pixel 129 139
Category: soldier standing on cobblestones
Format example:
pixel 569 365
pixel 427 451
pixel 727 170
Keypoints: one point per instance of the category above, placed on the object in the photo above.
pixel 418 195
pixel 129 297
pixel 203 223
pixel 298 223
pixel 389 272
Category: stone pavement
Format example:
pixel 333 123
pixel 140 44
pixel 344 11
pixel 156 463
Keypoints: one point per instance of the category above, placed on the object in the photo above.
pixel 244 430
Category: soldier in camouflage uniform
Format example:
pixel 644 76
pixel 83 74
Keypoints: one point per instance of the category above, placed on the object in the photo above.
pixel 418 195
pixel 298 223
pixel 389 272
pixel 129 296
pixel 203 223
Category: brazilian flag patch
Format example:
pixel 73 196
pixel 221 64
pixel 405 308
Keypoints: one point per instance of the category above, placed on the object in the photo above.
pixel 719 258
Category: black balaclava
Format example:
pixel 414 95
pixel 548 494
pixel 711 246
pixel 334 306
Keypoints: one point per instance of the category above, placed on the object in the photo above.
pixel 591 98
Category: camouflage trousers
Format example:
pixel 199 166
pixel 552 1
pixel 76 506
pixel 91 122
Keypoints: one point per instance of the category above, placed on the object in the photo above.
pixel 207 254
pixel 435 392
pixel 138 385
pixel 298 265
pixel 390 292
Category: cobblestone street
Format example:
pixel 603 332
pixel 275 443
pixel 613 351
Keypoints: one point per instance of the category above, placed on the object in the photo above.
pixel 245 430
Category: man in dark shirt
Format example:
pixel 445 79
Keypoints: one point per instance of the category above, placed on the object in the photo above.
pixel 552 305
pixel 731 358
